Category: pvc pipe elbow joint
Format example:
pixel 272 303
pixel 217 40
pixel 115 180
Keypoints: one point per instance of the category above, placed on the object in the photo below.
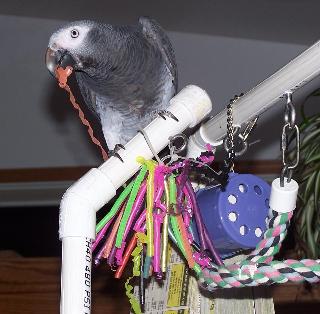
pixel 80 203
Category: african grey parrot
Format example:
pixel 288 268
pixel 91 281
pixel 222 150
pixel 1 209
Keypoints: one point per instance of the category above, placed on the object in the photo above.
pixel 125 73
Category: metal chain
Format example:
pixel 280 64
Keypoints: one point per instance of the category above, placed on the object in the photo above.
pixel 289 129
pixel 242 144
pixel 229 140
pixel 230 134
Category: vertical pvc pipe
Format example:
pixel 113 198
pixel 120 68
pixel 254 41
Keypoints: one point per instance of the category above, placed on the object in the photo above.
pixel 76 276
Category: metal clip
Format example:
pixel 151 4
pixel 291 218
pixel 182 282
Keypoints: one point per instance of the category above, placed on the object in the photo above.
pixel 289 129
pixel 248 129
pixel 174 148
pixel 284 146
pixel 243 136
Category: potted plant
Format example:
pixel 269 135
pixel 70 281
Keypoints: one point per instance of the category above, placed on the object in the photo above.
pixel 307 216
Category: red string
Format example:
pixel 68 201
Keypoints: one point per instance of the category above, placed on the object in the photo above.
pixel 62 77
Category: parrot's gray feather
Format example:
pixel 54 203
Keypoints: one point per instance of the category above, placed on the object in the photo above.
pixel 89 96
pixel 125 73
pixel 157 36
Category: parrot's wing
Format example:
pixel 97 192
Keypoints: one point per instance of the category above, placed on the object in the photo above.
pixel 155 34
pixel 88 96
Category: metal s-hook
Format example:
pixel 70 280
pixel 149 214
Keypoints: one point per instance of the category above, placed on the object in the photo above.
pixel 290 112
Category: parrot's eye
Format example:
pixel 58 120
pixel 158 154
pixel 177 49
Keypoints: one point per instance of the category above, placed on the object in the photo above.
pixel 74 33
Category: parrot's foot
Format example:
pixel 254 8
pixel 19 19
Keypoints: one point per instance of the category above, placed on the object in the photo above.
pixel 115 153
pixel 164 113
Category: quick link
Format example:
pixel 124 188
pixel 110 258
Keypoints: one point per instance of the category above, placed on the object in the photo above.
pixel 289 130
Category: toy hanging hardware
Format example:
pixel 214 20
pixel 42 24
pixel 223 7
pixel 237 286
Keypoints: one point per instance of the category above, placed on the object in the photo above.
pixel 232 130
pixel 62 77
pixel 289 128
pixel 221 177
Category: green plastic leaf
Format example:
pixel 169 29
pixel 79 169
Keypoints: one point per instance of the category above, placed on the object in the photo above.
pixel 309 186
pixel 314 158
pixel 309 216
pixel 310 151
pixel 310 137
pixel 311 123
pixel 317 190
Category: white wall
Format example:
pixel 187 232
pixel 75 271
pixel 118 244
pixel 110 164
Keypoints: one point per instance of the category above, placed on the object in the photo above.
pixel 40 129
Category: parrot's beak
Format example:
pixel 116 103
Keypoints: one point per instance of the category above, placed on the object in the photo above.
pixel 58 58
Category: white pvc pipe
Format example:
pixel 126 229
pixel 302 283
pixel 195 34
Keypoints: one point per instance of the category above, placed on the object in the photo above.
pixel 76 284
pixel 81 201
pixel 291 77
pixel 283 199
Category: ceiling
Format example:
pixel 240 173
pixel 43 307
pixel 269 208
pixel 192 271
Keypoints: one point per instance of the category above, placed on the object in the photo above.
pixel 293 21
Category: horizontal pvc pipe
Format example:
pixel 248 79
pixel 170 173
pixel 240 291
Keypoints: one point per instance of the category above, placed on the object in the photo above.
pixel 293 76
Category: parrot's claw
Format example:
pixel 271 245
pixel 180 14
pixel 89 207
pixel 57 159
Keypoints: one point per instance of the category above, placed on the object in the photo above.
pixel 115 153
pixel 118 147
pixel 112 153
pixel 164 113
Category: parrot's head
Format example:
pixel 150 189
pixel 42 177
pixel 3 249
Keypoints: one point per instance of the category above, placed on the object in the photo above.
pixel 73 45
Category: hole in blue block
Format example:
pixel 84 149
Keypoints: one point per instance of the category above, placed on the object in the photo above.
pixel 243 230
pixel 257 189
pixel 243 188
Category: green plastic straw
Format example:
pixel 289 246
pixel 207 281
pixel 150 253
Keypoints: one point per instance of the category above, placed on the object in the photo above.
pixel 173 219
pixel 134 191
pixel 174 223
pixel 115 207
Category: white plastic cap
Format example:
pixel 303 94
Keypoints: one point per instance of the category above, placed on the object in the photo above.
pixel 283 199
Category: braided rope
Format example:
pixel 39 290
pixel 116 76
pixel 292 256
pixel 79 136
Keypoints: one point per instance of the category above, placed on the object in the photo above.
pixel 258 267
pixel 249 274
pixel 273 237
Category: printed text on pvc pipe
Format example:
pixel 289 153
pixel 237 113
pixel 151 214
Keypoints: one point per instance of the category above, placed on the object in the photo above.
pixel 87 278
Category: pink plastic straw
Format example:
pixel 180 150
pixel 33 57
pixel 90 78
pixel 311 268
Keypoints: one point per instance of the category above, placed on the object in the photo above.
pixel 135 209
pixel 137 227
pixel 101 234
